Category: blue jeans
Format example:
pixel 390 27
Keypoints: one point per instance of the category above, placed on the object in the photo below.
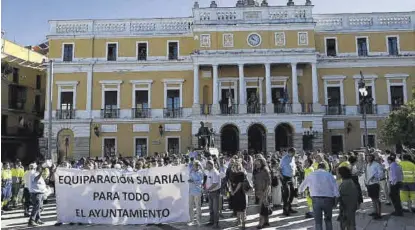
pixel 320 205
pixel 214 207
pixel 37 202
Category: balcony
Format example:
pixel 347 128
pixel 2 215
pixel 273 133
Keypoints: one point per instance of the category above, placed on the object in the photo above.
pixel 370 109
pixel 283 108
pixel 65 114
pixel 172 112
pixel 205 109
pixel 17 105
pixel 307 108
pixel 256 108
pixel 229 110
pixel 394 107
pixel 110 113
pixel 140 113
pixel 335 109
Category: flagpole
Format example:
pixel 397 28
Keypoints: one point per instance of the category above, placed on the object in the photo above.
pixel 49 155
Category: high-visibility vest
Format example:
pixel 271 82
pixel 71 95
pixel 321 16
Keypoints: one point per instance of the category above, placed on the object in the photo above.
pixel 345 164
pixel 408 170
pixel 17 174
pixel 6 174
pixel 327 167
pixel 308 170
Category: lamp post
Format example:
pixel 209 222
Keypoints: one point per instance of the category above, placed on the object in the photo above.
pixel 364 101
pixel 308 136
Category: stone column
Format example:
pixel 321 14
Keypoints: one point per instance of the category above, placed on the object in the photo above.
pixel 215 102
pixel 318 142
pixel 269 106
pixel 296 105
pixel 242 99
pixel 270 142
pixel 196 102
pixel 243 142
pixel 89 93
pixel 314 79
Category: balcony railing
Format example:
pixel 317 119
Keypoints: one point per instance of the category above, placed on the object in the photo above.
pixel 205 109
pixel 394 107
pixel 141 112
pixel 370 109
pixel 307 108
pixel 172 112
pixel 110 113
pixel 335 109
pixel 65 114
pixel 283 108
pixel 18 105
pixel 228 110
pixel 256 108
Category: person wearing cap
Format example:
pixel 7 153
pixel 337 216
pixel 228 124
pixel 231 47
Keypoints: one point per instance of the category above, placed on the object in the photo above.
pixel 26 191
pixel 374 173
pixel 287 166
pixel 212 187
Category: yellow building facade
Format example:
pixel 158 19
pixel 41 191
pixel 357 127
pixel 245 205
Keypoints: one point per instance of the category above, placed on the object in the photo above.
pixel 22 101
pixel 262 77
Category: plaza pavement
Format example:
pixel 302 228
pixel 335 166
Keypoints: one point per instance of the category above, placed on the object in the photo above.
pixel 15 220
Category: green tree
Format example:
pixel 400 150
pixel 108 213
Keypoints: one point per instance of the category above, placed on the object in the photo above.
pixel 399 126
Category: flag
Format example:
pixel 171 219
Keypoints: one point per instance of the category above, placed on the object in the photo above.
pixel 286 96
pixel 230 97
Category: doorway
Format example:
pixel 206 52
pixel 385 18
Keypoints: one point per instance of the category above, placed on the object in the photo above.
pixel 229 139
pixel 283 137
pixel 336 144
pixel 257 138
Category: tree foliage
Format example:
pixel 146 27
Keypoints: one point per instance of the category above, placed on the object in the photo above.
pixel 399 126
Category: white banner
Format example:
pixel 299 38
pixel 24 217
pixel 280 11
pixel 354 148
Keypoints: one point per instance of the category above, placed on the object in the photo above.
pixel 109 196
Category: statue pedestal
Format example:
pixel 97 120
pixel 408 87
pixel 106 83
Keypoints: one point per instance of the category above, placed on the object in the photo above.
pixel 269 108
pixel 196 109
pixel 242 108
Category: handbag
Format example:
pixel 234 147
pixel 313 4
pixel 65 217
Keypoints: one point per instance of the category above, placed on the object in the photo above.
pixel 247 186
pixel 274 181
pixel 265 210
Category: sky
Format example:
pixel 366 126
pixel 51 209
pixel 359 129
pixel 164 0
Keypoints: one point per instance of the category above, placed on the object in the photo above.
pixel 26 21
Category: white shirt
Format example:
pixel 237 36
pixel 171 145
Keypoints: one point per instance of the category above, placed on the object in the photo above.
pixel 374 173
pixel 321 183
pixel 37 186
pixel 213 177
pixel 27 178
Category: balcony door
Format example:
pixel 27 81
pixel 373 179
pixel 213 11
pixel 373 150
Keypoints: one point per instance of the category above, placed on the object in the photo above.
pixel 173 99
pixel 397 97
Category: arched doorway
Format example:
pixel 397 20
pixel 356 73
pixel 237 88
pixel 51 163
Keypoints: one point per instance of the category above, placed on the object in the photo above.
pixel 229 139
pixel 283 136
pixel 257 138
pixel 65 143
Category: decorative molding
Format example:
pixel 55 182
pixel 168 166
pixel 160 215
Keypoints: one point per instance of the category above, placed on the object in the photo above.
pixel 67 83
pixel 335 125
pixel 333 77
pixel 173 127
pixel 205 40
pixel 302 38
pixel 279 38
pixel 138 82
pixel 397 75
pixel 141 128
pixel 110 82
pixel 227 40
pixel 173 81
pixel 108 128
pixel 367 76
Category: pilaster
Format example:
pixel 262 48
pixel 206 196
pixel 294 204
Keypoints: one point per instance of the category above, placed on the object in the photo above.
pixel 196 109
pixel 243 108
pixel 243 142
pixel 269 108
pixel 270 142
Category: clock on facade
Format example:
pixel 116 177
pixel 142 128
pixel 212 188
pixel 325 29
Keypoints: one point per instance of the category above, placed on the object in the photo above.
pixel 254 40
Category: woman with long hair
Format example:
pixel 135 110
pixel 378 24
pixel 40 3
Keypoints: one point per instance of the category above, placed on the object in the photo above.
pixel 262 185
pixel 237 196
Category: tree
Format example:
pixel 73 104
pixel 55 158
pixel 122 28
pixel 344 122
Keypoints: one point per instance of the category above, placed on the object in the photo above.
pixel 399 126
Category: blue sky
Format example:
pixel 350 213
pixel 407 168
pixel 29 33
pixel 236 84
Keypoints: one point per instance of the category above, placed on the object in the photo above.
pixel 26 21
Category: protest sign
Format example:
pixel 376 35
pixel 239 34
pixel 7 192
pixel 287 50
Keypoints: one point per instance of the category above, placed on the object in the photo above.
pixel 110 196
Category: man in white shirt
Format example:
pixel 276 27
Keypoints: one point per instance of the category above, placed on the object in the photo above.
pixel 374 174
pixel 323 191
pixel 37 190
pixel 26 191
pixel 212 187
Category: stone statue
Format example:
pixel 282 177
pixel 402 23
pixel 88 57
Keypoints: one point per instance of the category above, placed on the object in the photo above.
pixel 204 136
pixel 212 138
pixel 253 102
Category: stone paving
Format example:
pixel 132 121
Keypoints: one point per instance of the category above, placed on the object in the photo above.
pixel 15 220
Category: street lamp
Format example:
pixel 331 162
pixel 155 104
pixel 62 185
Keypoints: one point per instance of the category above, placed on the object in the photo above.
pixel 364 102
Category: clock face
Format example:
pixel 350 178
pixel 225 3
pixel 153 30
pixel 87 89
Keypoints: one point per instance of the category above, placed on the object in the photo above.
pixel 254 40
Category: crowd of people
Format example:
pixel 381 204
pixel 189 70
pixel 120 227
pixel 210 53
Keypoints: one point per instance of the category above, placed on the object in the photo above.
pixel 276 180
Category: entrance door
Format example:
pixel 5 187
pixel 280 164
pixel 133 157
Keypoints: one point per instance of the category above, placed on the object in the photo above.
pixel 336 144
pixel 283 137
pixel 257 138
pixel 229 139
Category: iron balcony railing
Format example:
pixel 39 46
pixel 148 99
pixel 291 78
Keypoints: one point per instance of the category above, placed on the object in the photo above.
pixel 65 114
pixel 141 112
pixel 228 110
pixel 110 113
pixel 394 107
pixel 172 112
pixel 335 109
pixel 256 108
pixel 205 109
pixel 307 108
pixel 370 109
pixel 283 108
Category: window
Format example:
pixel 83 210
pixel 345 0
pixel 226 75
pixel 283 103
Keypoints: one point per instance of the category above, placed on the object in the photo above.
pixel 111 51
pixel 362 47
pixel 17 97
pixel 393 46
pixel 397 97
pixel 66 101
pixel 4 119
pixel 173 50
pixel 336 144
pixel 110 104
pixel 16 75
pixel 141 104
pixel 68 52
pixel 370 109
pixel 173 98
pixel 38 81
pixel 142 51
pixel 331 47
pixel 173 145
pixel 371 140
pixel 37 103
pixel 109 146
pixel 334 95
pixel 140 147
